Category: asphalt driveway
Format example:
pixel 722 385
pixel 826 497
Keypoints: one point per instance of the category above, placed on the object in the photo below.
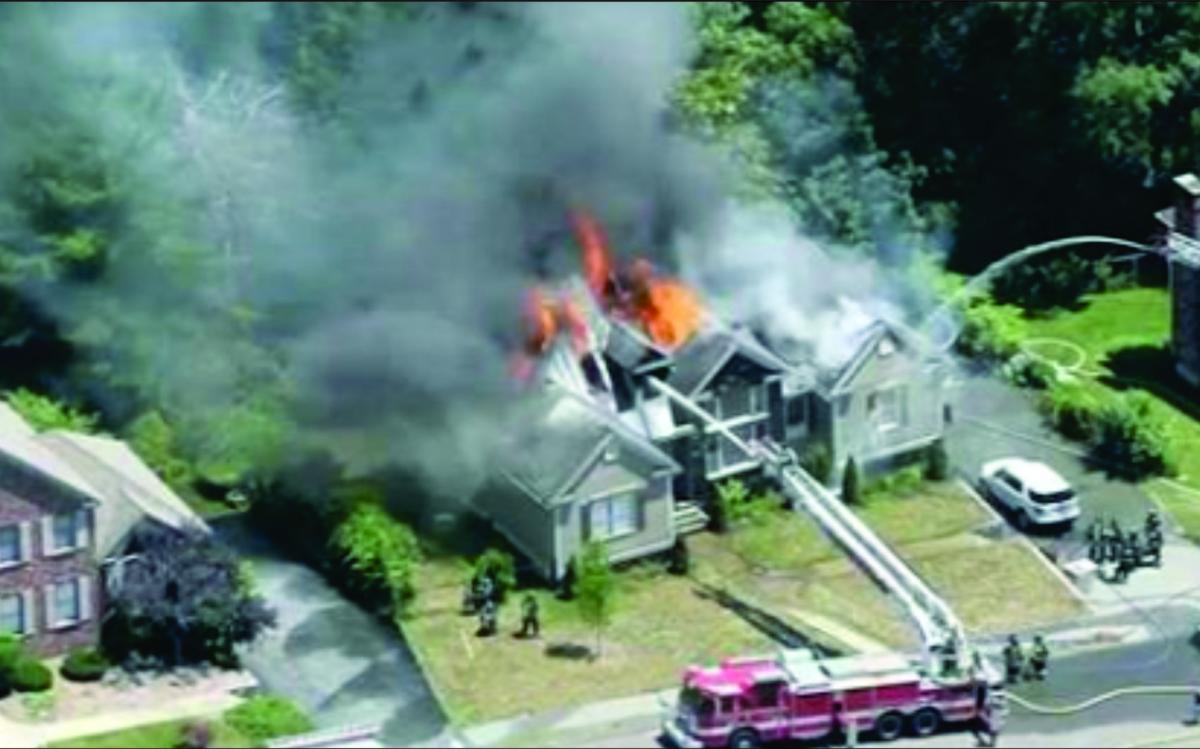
pixel 342 664
pixel 993 419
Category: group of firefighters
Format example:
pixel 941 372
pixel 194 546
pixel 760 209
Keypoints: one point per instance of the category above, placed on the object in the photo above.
pixel 1017 666
pixel 1108 544
pixel 481 597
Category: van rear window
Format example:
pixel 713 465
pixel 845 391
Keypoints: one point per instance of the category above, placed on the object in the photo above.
pixel 1052 498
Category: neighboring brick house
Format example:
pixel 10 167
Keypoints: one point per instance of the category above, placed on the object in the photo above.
pixel 68 504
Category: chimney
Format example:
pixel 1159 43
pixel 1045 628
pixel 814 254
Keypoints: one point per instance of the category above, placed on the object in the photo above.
pixel 1187 202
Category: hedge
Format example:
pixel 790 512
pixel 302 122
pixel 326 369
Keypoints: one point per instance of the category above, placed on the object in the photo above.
pixel 84 665
pixel 29 675
pixel 264 717
pixel 1120 431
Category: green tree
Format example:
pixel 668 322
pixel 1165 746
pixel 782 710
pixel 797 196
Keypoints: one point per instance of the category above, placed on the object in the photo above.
pixel 44 413
pixel 595 588
pixel 937 463
pixel 501 567
pixel 382 551
pixel 153 439
pixel 851 484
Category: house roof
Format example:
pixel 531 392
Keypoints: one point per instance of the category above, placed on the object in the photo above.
pixel 632 350
pixel 23 447
pixel 98 470
pixel 703 357
pixel 563 436
pixel 127 490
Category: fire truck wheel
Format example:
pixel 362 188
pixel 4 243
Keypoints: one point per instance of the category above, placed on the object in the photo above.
pixel 926 721
pixel 889 726
pixel 745 739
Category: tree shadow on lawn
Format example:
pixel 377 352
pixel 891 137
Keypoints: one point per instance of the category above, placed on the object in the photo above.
pixel 1151 368
pixel 569 651
pixel 767 623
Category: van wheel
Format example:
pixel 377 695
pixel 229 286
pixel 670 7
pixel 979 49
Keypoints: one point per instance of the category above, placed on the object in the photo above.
pixel 889 726
pixel 745 739
pixel 926 721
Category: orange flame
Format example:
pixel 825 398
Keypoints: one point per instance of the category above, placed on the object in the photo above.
pixel 668 311
pixel 541 321
pixel 597 260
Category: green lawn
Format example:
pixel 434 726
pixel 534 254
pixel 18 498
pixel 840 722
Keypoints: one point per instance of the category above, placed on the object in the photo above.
pixel 930 511
pixel 1137 322
pixel 1182 503
pixel 1111 321
pixel 155 736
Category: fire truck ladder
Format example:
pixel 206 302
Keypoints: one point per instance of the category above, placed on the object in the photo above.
pixel 939 627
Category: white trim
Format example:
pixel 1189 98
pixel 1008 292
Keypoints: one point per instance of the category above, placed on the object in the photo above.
pixel 26 540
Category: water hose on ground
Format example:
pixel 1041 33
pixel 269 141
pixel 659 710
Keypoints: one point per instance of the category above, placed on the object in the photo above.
pixel 1155 690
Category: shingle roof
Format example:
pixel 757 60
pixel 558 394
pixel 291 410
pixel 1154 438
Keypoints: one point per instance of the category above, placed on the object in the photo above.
pixel 128 491
pixel 561 436
pixel 633 350
pixel 701 358
pixel 99 470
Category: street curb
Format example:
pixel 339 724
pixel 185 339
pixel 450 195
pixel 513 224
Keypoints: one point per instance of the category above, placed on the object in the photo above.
pixel 1031 548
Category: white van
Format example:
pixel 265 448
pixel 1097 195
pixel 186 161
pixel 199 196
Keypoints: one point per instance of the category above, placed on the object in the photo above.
pixel 1033 491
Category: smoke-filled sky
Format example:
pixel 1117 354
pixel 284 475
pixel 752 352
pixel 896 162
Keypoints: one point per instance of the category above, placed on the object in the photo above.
pixel 385 256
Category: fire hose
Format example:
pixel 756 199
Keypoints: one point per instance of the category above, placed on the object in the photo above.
pixel 1155 690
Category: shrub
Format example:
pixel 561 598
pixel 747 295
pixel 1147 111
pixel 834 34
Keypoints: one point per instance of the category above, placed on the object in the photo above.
pixel 1074 411
pixel 382 551
pixel 900 481
pixel 818 462
pixel 5 687
pixel 1059 282
pixel 84 664
pixel 681 558
pixel 29 675
pixel 937 463
pixel 11 650
pixel 501 567
pixel 44 413
pixel 1029 372
pixel 992 332
pixel 266 717
pixel 566 587
pixel 1130 443
pixel 851 491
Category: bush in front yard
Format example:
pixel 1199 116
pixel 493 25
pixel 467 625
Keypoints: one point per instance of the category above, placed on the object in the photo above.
pixel 84 664
pixel 266 717
pixel 1074 411
pixel 11 651
pixel 818 462
pixel 851 489
pixel 1130 443
pixel 681 558
pixel 29 675
pixel 937 463
pixel 501 568
pixel 5 687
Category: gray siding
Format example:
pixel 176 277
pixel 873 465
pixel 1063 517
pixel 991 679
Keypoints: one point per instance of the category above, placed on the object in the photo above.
pixel 525 523
pixel 655 533
pixel 864 427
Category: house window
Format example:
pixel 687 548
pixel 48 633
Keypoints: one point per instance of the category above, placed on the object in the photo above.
pixel 613 517
pixel 65 527
pixel 12 614
pixel 797 411
pixel 886 408
pixel 10 544
pixel 67 605
pixel 843 405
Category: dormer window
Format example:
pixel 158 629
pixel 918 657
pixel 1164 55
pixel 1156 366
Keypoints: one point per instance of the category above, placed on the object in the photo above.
pixel 887 347
pixel 611 453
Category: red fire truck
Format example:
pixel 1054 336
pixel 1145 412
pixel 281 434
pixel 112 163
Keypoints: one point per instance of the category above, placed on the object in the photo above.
pixel 748 702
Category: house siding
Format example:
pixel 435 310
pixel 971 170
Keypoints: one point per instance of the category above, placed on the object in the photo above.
pixel 656 528
pixel 526 524
pixel 857 433
pixel 38 571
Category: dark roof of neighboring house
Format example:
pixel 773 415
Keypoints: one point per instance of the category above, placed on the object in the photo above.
pixel 562 437
pixel 702 358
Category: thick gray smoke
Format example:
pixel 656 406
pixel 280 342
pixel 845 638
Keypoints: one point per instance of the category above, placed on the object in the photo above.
pixel 381 260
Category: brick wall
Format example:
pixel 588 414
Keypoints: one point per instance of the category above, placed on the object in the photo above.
pixel 39 570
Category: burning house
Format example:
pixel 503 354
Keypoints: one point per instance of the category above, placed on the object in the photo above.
pixel 616 364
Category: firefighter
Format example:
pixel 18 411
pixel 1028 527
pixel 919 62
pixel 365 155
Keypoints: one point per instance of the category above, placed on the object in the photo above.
pixel 1131 557
pixel 486 591
pixel 1154 546
pixel 1038 659
pixel 1095 542
pixel 1195 718
pixel 487 619
pixel 1153 522
pixel 1116 541
pixel 1014 660
pixel 468 596
pixel 530 626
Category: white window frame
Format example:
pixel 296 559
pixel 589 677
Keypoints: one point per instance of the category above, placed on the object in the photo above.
pixel 18 529
pixel 81 532
pixel 889 408
pixel 82 585
pixel 22 611
pixel 603 519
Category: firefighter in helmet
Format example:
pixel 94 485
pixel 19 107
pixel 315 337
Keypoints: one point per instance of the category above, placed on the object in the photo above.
pixel 1014 660
pixel 1039 658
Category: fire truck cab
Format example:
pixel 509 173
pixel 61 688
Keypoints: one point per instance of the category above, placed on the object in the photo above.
pixel 795 696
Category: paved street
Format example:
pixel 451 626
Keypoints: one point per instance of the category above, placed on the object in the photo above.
pixel 326 653
pixel 989 416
